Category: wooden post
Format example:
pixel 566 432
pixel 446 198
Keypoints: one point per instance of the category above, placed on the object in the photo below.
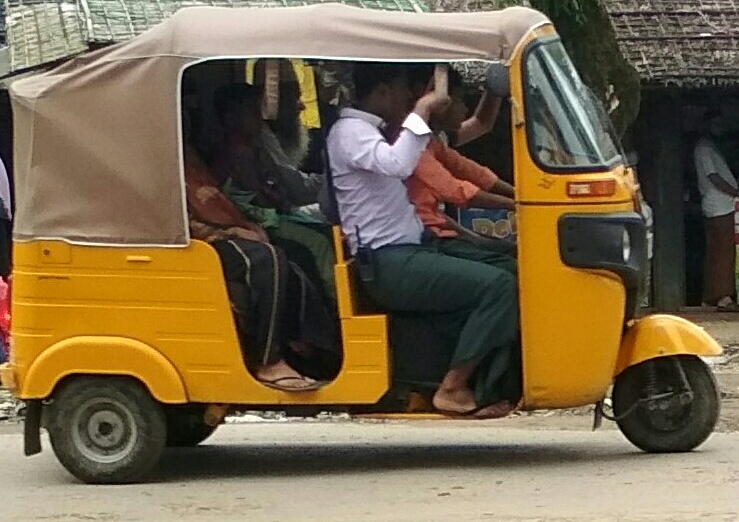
pixel 663 121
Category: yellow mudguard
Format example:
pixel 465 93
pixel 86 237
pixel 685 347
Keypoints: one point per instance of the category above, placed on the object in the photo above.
pixel 663 336
pixel 104 356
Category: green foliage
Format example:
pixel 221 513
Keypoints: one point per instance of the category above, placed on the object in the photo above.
pixel 571 10
pixel 588 35
pixel 586 31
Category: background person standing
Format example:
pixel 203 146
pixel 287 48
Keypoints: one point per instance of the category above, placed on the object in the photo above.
pixel 718 189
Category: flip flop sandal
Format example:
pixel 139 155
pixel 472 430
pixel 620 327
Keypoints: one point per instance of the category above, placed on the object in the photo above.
pixel 503 412
pixel 462 414
pixel 275 384
pixel 472 414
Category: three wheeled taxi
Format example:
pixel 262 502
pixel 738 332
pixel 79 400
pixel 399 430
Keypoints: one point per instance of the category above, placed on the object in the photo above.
pixel 123 340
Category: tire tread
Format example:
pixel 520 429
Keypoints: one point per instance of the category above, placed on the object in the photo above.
pixel 705 412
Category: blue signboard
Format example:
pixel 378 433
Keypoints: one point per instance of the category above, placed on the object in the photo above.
pixel 500 224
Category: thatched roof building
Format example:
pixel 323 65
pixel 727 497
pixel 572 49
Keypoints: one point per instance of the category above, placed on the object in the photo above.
pixel 687 43
pixel 670 42
pixel 40 32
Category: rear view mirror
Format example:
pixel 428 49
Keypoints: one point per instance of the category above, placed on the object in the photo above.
pixel 497 80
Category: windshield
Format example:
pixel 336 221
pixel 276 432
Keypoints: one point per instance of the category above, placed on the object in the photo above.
pixel 567 126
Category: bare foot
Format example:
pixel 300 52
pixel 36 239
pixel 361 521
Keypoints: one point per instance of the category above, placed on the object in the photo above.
pixel 495 411
pixel 458 401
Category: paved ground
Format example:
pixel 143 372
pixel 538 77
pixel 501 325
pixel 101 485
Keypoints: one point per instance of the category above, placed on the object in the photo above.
pixel 423 471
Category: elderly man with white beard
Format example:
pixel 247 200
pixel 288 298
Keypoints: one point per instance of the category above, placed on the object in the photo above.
pixel 302 231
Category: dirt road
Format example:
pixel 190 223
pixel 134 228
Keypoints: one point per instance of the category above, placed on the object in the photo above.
pixel 421 471
pixel 544 466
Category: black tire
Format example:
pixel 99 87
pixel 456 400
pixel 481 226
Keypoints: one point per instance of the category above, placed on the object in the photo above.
pixel 186 427
pixel 106 430
pixel 682 427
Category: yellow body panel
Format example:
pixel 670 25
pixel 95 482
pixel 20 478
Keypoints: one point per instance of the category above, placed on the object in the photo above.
pixel 160 315
pixel 663 336
pixel 571 319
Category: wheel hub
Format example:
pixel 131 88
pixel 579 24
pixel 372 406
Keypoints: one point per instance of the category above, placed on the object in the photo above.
pixel 104 430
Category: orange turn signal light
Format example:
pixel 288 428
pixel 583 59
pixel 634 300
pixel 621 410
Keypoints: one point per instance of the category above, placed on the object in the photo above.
pixel 591 189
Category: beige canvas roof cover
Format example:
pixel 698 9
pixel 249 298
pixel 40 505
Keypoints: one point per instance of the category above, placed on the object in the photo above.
pixel 97 149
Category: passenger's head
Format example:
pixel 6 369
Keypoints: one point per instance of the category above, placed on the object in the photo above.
pixel 457 111
pixel 290 95
pixel 420 77
pixel 238 110
pixel 288 127
pixel 714 123
pixel 382 89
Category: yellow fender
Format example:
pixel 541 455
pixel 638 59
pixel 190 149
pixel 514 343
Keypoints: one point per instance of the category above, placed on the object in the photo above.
pixel 663 336
pixel 104 356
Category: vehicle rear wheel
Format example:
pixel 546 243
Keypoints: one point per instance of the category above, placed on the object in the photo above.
pixel 106 430
pixel 656 412
pixel 186 427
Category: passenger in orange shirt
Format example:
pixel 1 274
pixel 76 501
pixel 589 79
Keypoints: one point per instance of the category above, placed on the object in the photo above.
pixel 445 176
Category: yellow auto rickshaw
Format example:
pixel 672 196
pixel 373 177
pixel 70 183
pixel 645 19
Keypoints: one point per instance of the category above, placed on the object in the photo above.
pixel 123 339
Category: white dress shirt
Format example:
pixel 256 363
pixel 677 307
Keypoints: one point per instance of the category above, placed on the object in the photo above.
pixel 709 160
pixel 368 174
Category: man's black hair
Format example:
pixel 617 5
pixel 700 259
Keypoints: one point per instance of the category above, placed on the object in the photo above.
pixel 455 79
pixel 421 74
pixel 286 70
pixel 228 97
pixel 368 76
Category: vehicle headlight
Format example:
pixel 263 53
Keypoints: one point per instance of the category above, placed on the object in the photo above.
pixel 626 246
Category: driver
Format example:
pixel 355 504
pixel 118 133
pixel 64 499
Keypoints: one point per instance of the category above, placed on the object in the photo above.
pixel 381 224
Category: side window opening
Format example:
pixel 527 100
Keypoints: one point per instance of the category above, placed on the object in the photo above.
pixel 247 196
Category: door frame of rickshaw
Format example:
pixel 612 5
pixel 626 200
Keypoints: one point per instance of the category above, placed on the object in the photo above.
pixel 566 362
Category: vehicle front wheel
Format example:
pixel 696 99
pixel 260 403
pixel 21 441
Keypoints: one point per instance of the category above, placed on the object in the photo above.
pixel 186 427
pixel 106 430
pixel 658 413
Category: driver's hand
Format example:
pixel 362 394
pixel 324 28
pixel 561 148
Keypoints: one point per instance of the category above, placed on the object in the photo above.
pixel 431 103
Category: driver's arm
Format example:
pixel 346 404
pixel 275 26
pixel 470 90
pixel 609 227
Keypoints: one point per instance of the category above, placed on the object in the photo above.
pixel 503 188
